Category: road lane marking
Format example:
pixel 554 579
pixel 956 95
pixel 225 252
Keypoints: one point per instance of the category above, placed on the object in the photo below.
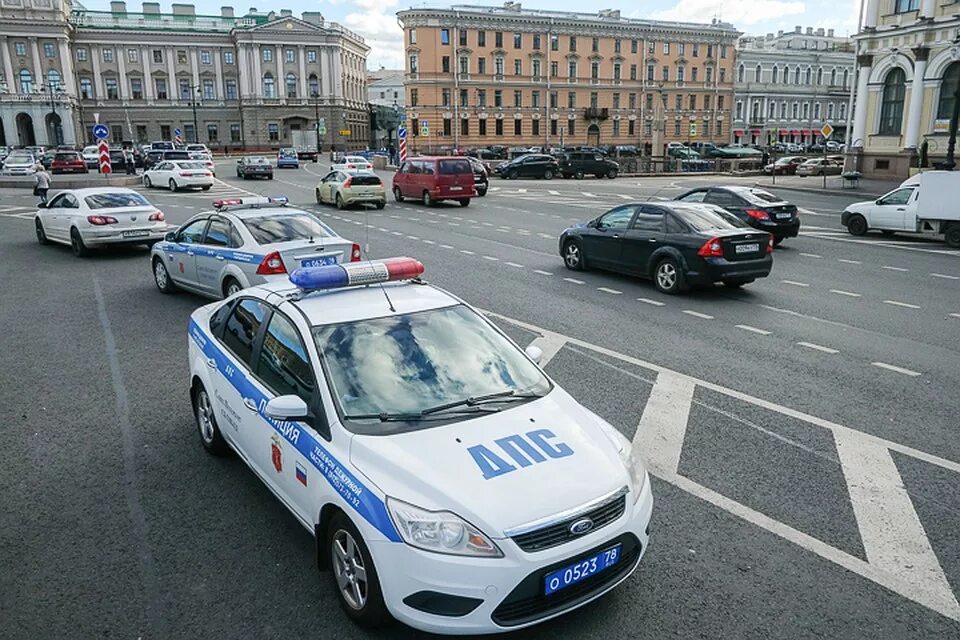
pixel 626 197
pixel 521 190
pixel 889 268
pixel 549 344
pixel 901 304
pixel 663 423
pixel 574 280
pixel 546 235
pixel 818 347
pixel 588 194
pixel 955 315
pixel 543 273
pixel 446 246
pixel 514 264
pixel 945 276
pixel 469 253
pixel 412 238
pixel 896 369
pixel 697 314
pixel 845 261
pixel 841 292
pixel 491 258
pixel 746 327
pixel 608 290
pixel 795 283
pixel 655 303
pixel 811 255
pixel 893 536
pixel 553 193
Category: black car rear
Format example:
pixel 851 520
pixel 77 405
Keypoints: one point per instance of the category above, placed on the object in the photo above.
pixel 534 165
pixel 757 207
pixel 480 180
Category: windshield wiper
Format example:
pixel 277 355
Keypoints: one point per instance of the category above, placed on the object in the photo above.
pixel 477 402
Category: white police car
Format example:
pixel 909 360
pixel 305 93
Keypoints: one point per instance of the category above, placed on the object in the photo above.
pixel 447 480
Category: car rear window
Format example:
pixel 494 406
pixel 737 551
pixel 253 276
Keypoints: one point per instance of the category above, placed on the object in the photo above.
pixel 285 227
pixel 176 155
pixel 454 167
pixel 759 196
pixel 191 165
pixel 66 157
pixel 115 200
pixel 364 180
pixel 707 218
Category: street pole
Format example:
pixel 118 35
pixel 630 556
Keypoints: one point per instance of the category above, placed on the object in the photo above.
pixel 951 161
pixel 193 105
pixel 316 115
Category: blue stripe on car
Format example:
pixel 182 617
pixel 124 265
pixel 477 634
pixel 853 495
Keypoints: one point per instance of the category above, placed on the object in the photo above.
pixel 205 251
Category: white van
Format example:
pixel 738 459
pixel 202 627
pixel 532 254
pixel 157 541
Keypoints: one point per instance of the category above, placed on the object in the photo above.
pixel 924 203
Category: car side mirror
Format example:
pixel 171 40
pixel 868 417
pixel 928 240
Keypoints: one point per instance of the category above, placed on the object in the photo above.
pixel 41 205
pixel 289 407
pixel 170 236
pixel 534 352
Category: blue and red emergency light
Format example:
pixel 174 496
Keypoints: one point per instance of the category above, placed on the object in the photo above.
pixel 335 276
pixel 223 203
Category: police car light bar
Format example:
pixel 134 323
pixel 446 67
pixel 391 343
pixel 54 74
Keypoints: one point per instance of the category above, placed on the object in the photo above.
pixel 250 202
pixel 335 276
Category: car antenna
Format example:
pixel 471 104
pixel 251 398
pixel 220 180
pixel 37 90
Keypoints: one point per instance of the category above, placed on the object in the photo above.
pixel 655 194
pixel 366 249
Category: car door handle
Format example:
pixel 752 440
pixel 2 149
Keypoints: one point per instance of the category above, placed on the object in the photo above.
pixel 220 258
pixel 901 209
pixel 190 253
pixel 651 239
pixel 250 404
pixel 615 236
pixel 211 363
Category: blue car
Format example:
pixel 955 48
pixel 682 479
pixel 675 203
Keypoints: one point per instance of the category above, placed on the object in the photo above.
pixel 288 158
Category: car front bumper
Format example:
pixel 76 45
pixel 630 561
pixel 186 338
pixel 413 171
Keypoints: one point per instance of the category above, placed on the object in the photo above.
pixel 710 270
pixel 506 593
pixel 106 236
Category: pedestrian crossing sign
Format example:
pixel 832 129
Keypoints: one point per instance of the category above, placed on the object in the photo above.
pixel 424 129
pixel 693 129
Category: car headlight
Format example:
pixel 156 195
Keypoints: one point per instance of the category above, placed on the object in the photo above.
pixel 440 531
pixel 633 463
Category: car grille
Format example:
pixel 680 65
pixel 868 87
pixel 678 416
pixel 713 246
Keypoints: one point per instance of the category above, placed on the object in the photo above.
pixel 557 534
pixel 527 602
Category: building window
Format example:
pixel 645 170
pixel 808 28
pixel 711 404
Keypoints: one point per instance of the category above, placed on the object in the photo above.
pixel 666 73
pixel 676 128
pixel 572 71
pixel 157 56
pixel 184 89
pixel 808 76
pixel 553 127
pixel 651 47
pixel 49 50
pixel 414 97
pixel 20 48
pixel 783 110
pixel 650 72
pixel 554 42
pixel 633 72
pixel 846 75
pixel 464 65
pixel 181 56
pixel 517 67
pixel 518 98
pixel 463 98
pixel 616 72
pixel 414 64
pixel 820 75
pixel 616 128
pixel 165 132
pixel 498 39
pixel 413 36
pixel 693 102
pixel 107 55
pixel 208 93
pixel 228 57
pixel 497 98
pixel 536 41
pixel 572 127
pixel 758 74
pixel 891 106
pixel 796 76
pixel 680 72
pixel 447 127
pixel 535 128
pixel 648 128
pixel 595 45
pixel 517 127
pixel 445 37
pixel 632 101
pixel 723 54
pixel 111 86
pixel 445 98
pixel 553 99
pixel 481 97
pixel 843 111
pixel 816 111
pixel 723 76
pixel 311 55
pixel 136 88
pixel 234 132
pixel 666 48
pixel 905 6
pixel 741 73
pixel 231 92
pixel 775 74
pixel 693 74
pixel 141 133
pixel 633 46
pixel 616 100
pixel 498 66
pixel 81 54
pixel 86 88
pixel 53 79
pixel 291 85
pixel 681 49
pixel 948 89
pixel 481 40
pixel 739 115
pixel 795 110
pixel 709 73
pixel 273 132
pixel 482 127
pixel 678 104
pixel 572 100
pixel 269 87
pixel 498 128
pixel 616 45
pixel 771 110
pixel 212 132
pixel 706 102
pixel 594 70
pixel 535 99
pixel 161 86
pixel 464 126
pixel 26 82
pixel 290 55
pixel 573 43
pixel 482 66
pixel 267 55
pixel 594 100
pixel 806 110
pixel 313 85
pixel 445 64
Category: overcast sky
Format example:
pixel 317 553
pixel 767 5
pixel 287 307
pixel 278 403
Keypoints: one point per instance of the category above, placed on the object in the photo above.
pixel 376 19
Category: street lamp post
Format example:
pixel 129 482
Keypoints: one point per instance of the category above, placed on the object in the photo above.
pixel 54 91
pixel 316 114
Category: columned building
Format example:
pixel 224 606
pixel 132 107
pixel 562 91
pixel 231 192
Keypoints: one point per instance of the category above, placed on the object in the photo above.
pixel 908 71
pixel 788 86
pixel 230 82
pixel 480 76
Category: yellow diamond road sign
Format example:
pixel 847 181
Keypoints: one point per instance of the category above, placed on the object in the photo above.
pixel 826 130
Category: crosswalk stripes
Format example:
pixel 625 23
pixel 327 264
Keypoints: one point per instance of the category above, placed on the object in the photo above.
pixel 23 213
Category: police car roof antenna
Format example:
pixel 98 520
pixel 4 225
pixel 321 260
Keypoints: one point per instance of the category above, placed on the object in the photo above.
pixel 366 250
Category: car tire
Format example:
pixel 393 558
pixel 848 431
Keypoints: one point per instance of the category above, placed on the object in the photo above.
pixel 206 188
pixel 358 592
pixel 573 256
pixel 230 287
pixel 513 175
pixel 612 174
pixel 206 419
pixel 147 183
pixel 668 276
pixel 397 195
pixel 737 283
pixel 381 204
pixel 777 240
pixel 482 191
pixel 161 277
pixel 317 193
pixel 172 185
pixel 598 176
pixel 41 234
pixel 952 236
pixel 857 225
pixel 427 200
pixel 578 175
pixel 270 177
pixel 80 249
pixel 548 175
pixel 339 202
pixel 464 202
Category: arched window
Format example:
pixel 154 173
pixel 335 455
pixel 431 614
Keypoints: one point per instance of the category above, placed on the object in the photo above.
pixel 741 73
pixel 820 75
pixel 269 87
pixel 809 76
pixel 833 76
pixel 796 76
pixel 314 83
pixel 757 74
pixel 891 106
pixel 775 74
pixel 53 79
pixel 786 74
pixel 948 91
pixel 291 85
pixel 846 74
pixel 26 82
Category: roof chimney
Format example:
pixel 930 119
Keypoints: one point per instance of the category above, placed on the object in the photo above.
pixel 512 6
pixel 151 8
pixel 798 29
pixel 183 9
pixel 313 17
pixel 285 13
pixel 118 7
pixel 809 31
pixel 780 33
pixel 830 33
pixel 820 31
pixel 226 12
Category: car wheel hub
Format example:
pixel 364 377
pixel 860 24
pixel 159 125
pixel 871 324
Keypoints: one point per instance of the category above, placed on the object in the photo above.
pixel 573 255
pixel 667 275
pixel 350 573
pixel 205 417
pixel 161 274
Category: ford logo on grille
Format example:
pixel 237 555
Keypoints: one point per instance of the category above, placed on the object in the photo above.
pixel 581 526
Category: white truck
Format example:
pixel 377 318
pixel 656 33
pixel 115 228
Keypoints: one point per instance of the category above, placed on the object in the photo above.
pixel 925 203
pixel 305 142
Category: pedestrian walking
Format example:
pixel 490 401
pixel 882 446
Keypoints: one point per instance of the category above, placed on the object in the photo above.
pixel 129 161
pixel 41 183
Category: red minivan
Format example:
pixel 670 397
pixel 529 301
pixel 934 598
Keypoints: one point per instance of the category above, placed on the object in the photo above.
pixel 435 179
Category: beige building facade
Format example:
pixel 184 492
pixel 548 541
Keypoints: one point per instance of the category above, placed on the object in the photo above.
pixel 482 76
pixel 908 69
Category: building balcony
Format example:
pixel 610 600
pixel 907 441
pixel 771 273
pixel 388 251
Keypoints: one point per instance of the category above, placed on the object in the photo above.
pixel 599 113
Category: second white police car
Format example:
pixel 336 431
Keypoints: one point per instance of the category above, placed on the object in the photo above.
pixel 448 481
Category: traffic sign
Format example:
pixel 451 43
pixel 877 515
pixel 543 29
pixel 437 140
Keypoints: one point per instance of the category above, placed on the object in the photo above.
pixel 345 132
pixel 693 129
pixel 424 129
pixel 826 130
pixel 100 131
pixel 103 156
pixel 177 132
pixel 322 130
pixel 402 133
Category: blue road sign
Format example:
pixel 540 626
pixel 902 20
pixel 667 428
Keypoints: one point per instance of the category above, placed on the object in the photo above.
pixel 401 133
pixel 177 132
pixel 100 131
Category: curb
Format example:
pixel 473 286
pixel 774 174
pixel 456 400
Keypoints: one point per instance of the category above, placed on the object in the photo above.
pixel 835 192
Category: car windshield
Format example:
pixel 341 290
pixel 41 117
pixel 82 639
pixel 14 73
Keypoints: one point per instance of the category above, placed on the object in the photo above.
pixel 708 218
pixel 355 159
pixel 20 157
pixel 288 153
pixel 417 362
pixel 117 200
pixel 196 147
pixel 285 227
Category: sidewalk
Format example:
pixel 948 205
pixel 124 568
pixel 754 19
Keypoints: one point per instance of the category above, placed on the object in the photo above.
pixel 867 188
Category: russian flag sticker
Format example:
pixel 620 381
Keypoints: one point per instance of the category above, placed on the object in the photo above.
pixel 301 475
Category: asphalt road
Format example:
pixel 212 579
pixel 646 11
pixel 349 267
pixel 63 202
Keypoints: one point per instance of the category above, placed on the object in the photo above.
pixel 802 432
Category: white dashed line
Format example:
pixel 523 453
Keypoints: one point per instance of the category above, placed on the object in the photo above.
pixel 491 258
pixel 655 303
pixel 574 280
pixel 795 283
pixel 844 260
pixel 412 238
pixel 553 193
pixel 382 229
pixel 841 292
pixel 589 195
pixel 697 314
pixel 817 347
pixel 891 367
pixel 889 268
pixel 811 255
pixel 608 290
pixel 944 276
pixel 445 246
pixel 625 196
pixel 469 253
pixel 429 242
pixel 396 233
pixel 746 327
pixel 955 315
pixel 906 305
pixel 545 235
pixel 543 273
pixel 514 264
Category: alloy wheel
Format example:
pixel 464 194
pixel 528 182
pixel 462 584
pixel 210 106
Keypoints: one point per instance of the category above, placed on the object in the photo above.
pixel 349 570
